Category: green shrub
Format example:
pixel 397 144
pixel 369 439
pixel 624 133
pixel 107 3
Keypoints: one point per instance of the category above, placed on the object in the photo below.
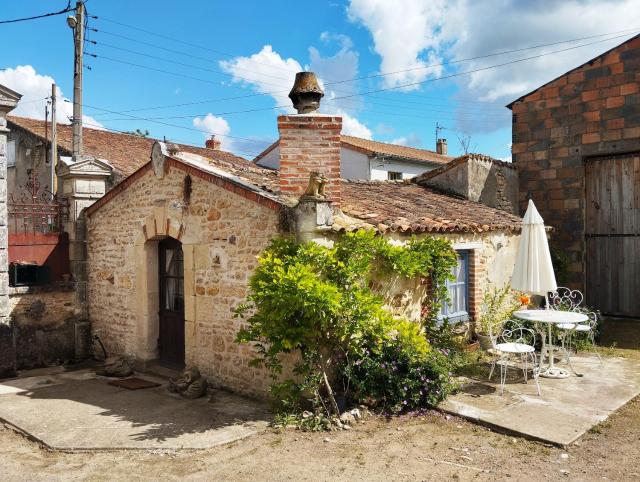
pixel 317 301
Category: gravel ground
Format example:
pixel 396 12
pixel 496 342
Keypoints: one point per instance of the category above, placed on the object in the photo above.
pixel 430 446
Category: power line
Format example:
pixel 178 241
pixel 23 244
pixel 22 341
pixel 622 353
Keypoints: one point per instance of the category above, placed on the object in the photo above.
pixel 457 74
pixel 167 124
pixel 189 44
pixel 68 8
pixel 382 74
pixel 198 67
pixel 340 97
pixel 182 52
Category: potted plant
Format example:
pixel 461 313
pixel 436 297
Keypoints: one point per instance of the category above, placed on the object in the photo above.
pixel 498 304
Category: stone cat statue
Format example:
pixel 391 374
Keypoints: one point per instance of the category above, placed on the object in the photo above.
pixel 315 189
pixel 190 385
pixel 118 367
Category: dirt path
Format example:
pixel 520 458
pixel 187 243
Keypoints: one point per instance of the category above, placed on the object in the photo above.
pixel 427 447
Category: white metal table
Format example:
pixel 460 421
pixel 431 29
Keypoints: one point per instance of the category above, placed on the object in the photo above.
pixel 550 317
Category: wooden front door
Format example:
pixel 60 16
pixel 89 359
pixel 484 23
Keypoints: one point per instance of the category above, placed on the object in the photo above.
pixel 612 231
pixel 171 274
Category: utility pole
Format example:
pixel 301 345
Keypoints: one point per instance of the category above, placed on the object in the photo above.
pixel 54 141
pixel 77 24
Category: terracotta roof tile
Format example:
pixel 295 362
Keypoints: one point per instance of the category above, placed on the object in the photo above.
pixel 395 150
pixel 125 152
pixel 404 206
pixel 381 148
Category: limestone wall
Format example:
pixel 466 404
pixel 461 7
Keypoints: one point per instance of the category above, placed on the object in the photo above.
pixel 222 234
pixel 44 319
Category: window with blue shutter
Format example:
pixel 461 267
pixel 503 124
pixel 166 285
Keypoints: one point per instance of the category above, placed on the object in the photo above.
pixel 457 308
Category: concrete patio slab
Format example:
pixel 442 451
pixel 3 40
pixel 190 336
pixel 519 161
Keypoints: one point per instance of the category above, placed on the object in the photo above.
pixel 567 408
pixel 76 410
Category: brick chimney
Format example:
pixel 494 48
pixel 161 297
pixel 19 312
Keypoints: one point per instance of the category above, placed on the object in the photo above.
pixel 441 146
pixel 212 143
pixel 309 141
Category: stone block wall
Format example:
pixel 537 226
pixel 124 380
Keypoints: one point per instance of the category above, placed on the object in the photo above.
pixel 309 142
pixel 593 110
pixel 44 321
pixel 222 233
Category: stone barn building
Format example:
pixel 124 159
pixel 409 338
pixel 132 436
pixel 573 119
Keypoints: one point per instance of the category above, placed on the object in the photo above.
pixel 171 248
pixel 576 145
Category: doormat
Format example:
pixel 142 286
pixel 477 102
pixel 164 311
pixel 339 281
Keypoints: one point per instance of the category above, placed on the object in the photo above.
pixel 133 383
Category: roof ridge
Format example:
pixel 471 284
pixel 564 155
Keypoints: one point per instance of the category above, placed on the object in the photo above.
pixel 395 145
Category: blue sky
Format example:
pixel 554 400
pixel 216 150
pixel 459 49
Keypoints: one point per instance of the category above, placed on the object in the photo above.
pixel 251 50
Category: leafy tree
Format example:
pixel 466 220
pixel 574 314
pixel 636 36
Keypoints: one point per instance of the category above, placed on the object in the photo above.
pixel 317 300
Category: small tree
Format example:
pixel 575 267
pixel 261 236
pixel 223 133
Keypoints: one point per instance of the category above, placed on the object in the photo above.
pixel 317 300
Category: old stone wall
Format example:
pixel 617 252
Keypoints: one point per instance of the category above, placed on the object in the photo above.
pixel 222 233
pixel 44 320
pixel 593 110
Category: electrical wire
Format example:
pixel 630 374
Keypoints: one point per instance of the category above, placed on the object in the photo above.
pixel 68 8
pixel 343 96
pixel 411 84
pixel 131 117
pixel 381 74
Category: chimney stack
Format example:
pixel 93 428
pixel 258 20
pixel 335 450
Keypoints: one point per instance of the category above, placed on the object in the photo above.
pixel 309 141
pixel 212 143
pixel 441 146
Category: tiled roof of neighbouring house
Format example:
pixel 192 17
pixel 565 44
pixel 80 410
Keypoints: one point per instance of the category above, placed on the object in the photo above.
pixel 375 148
pixel 406 207
pixel 125 152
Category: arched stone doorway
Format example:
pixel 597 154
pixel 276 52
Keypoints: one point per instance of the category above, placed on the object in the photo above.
pixel 171 323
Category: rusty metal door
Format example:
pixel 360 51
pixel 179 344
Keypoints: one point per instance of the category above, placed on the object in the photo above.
pixel 612 231
pixel 171 274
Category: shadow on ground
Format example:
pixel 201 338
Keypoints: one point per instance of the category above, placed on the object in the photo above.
pixel 77 410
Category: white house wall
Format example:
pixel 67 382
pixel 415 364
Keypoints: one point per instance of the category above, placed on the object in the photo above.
pixel 356 165
pixel 381 167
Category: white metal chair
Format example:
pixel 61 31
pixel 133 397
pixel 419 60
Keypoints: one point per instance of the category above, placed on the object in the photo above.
pixel 565 299
pixel 516 341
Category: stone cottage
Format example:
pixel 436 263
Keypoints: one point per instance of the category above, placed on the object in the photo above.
pixel 576 146
pixel 171 248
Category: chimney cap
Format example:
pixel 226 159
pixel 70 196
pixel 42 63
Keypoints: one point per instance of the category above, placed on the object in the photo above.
pixel 306 93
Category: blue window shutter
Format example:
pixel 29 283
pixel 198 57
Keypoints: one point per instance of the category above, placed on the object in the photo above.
pixel 457 308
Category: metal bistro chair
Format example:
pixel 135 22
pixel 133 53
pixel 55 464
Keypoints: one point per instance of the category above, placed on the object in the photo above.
pixel 519 342
pixel 565 299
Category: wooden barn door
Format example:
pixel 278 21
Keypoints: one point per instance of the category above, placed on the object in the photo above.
pixel 612 231
pixel 171 271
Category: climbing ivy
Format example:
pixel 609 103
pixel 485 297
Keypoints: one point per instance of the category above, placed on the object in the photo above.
pixel 318 301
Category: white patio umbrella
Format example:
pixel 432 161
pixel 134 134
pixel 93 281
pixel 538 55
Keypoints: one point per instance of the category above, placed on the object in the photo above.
pixel 533 271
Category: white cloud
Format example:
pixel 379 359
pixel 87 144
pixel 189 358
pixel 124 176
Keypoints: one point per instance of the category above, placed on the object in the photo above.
pixel 414 33
pixel 213 125
pixel 489 27
pixel 412 140
pixel 266 72
pixel 405 35
pixel 35 88
pixel 342 65
pixel 353 127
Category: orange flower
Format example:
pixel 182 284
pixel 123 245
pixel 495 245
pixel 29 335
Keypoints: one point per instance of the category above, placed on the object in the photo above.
pixel 524 299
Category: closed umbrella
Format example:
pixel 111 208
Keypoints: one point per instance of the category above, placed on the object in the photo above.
pixel 533 272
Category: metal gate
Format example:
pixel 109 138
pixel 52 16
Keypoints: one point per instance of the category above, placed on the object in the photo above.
pixel 38 245
pixel 612 232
